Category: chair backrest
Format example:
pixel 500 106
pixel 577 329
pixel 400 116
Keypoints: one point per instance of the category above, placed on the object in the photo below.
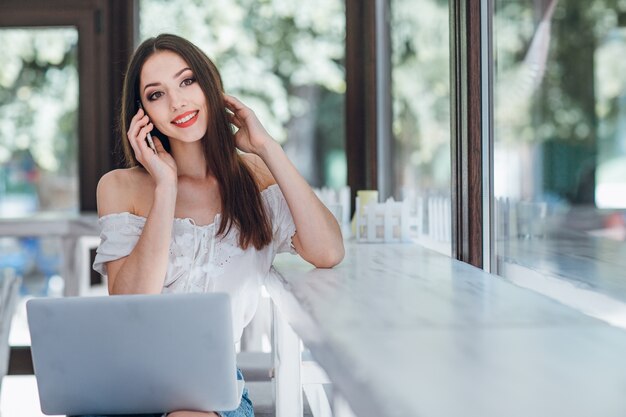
pixel 9 285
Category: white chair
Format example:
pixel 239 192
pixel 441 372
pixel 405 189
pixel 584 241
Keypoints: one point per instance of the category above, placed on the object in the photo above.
pixel 295 373
pixel 82 267
pixel 9 285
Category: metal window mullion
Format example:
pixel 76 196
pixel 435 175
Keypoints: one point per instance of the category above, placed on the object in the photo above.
pixel 384 139
pixel 487 105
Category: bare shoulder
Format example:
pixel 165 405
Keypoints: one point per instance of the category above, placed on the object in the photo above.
pixel 260 171
pixel 123 190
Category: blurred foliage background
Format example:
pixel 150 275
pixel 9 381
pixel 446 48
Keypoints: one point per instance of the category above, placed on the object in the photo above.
pixel 38 120
pixel 286 60
pixel 560 95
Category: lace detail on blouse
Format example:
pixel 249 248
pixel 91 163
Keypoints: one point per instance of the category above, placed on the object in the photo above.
pixel 199 261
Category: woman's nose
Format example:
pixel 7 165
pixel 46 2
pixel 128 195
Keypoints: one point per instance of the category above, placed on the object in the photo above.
pixel 177 100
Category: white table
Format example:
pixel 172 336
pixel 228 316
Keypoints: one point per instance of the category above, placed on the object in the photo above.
pixel 71 229
pixel 404 331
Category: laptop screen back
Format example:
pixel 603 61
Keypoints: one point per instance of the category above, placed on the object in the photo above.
pixel 134 354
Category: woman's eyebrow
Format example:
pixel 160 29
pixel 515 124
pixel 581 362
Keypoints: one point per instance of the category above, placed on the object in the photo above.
pixel 175 76
pixel 181 71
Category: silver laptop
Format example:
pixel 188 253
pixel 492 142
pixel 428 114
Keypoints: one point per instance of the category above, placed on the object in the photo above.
pixel 134 354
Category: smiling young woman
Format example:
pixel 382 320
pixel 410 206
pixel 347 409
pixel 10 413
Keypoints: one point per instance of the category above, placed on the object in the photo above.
pixel 210 209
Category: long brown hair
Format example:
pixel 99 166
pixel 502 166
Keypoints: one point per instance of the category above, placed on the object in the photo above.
pixel 241 199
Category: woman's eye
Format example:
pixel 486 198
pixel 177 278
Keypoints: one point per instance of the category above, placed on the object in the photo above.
pixel 155 95
pixel 189 81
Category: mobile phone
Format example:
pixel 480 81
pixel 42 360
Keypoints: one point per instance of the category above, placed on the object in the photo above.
pixel 148 136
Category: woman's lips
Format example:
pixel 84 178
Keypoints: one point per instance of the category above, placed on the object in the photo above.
pixel 186 119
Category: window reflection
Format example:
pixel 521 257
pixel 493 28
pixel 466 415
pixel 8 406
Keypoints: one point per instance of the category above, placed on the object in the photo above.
pixel 559 124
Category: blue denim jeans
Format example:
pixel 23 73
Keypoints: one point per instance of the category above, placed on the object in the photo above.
pixel 245 407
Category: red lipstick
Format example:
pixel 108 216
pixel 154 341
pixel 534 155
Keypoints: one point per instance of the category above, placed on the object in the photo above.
pixel 186 119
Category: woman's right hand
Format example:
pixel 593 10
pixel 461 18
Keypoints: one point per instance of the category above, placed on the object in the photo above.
pixel 160 165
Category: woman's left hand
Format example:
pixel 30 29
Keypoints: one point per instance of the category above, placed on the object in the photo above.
pixel 251 136
pixel 318 239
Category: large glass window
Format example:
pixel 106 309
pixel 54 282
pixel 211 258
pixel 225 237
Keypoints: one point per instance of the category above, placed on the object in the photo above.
pixel 560 132
pixel 284 59
pixel 38 121
pixel 38 152
pixel 420 75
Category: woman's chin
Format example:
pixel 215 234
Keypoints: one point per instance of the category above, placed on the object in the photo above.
pixel 187 138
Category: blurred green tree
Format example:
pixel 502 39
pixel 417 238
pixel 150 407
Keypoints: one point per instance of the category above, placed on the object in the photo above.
pixel 284 59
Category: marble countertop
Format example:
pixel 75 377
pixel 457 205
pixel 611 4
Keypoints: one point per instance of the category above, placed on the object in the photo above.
pixel 51 224
pixel 404 331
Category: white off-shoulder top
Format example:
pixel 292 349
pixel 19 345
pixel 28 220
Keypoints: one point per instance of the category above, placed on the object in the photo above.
pixel 200 261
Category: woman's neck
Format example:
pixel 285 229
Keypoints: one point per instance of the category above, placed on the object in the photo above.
pixel 190 160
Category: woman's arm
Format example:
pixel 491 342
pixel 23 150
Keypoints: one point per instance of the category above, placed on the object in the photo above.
pixel 318 239
pixel 144 270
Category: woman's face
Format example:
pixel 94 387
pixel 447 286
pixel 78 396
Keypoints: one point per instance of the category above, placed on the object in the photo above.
pixel 172 98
